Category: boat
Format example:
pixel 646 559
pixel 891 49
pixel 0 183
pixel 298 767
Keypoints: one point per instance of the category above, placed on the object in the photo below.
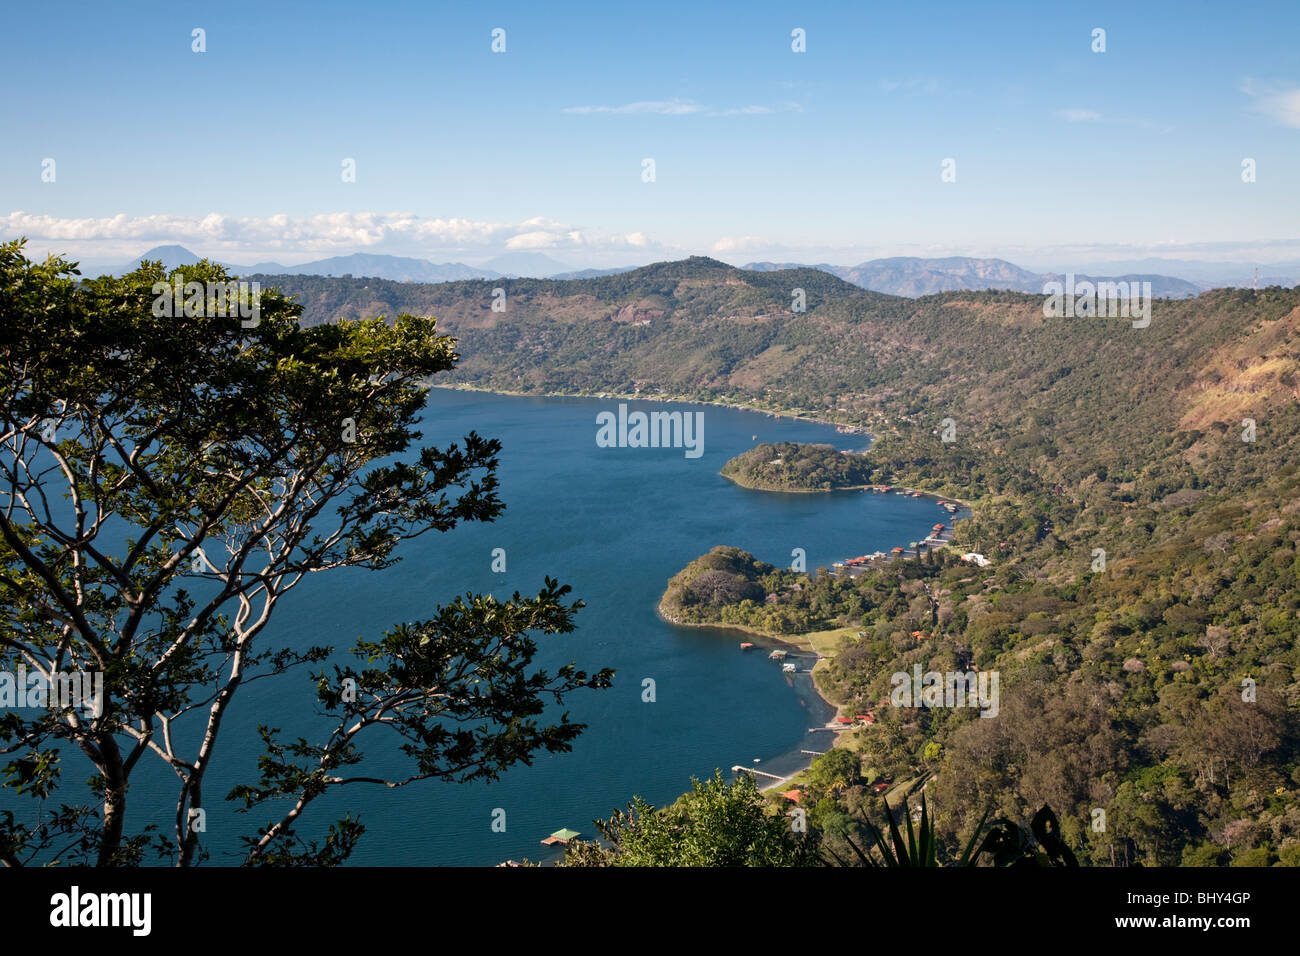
pixel 746 646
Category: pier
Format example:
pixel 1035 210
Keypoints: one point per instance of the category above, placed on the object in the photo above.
pixel 758 773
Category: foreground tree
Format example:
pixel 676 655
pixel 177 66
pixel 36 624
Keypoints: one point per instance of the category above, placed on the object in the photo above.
pixel 716 824
pixel 169 471
pixel 834 770
pixel 721 824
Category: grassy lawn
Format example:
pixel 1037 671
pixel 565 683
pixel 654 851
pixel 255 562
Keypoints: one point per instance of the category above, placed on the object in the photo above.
pixel 827 643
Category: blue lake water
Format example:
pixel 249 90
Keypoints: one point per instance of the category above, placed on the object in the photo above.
pixel 615 524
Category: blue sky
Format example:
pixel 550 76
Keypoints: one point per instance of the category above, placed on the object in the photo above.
pixel 1062 155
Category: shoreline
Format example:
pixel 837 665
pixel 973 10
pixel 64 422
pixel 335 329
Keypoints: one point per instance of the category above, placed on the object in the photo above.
pixel 794 491
pixel 739 629
pixel 791 641
pixel 801 644
pixel 910 492
pixel 803 760
pixel 464 387
pixel 861 430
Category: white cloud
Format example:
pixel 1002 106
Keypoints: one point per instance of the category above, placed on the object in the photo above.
pixel 291 240
pixel 660 107
pixel 328 234
pixel 1279 102
pixel 534 240
pixel 1095 116
pixel 682 108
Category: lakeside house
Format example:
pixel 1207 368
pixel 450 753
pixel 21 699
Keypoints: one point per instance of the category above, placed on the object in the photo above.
pixel 940 535
pixel 974 557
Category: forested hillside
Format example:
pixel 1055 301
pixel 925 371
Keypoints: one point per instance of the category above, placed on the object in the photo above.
pixel 1136 489
pixel 787 466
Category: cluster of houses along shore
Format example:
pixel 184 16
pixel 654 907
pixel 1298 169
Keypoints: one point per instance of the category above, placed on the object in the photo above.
pixel 940 534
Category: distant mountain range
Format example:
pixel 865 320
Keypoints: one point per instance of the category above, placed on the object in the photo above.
pixel 1211 274
pixel 532 265
pixel 397 268
pixel 914 277
pixel 904 276
pixel 593 273
pixel 394 268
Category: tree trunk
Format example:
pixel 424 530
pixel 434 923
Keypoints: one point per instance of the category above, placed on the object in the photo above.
pixel 114 801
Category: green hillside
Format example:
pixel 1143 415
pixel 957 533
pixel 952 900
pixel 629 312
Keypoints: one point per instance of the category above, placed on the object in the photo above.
pixel 787 466
pixel 1122 687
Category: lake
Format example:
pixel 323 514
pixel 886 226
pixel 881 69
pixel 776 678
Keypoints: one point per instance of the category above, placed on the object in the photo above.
pixel 614 523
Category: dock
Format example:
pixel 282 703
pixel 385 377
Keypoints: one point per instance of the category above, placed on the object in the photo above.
pixel 562 837
pixel 758 773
